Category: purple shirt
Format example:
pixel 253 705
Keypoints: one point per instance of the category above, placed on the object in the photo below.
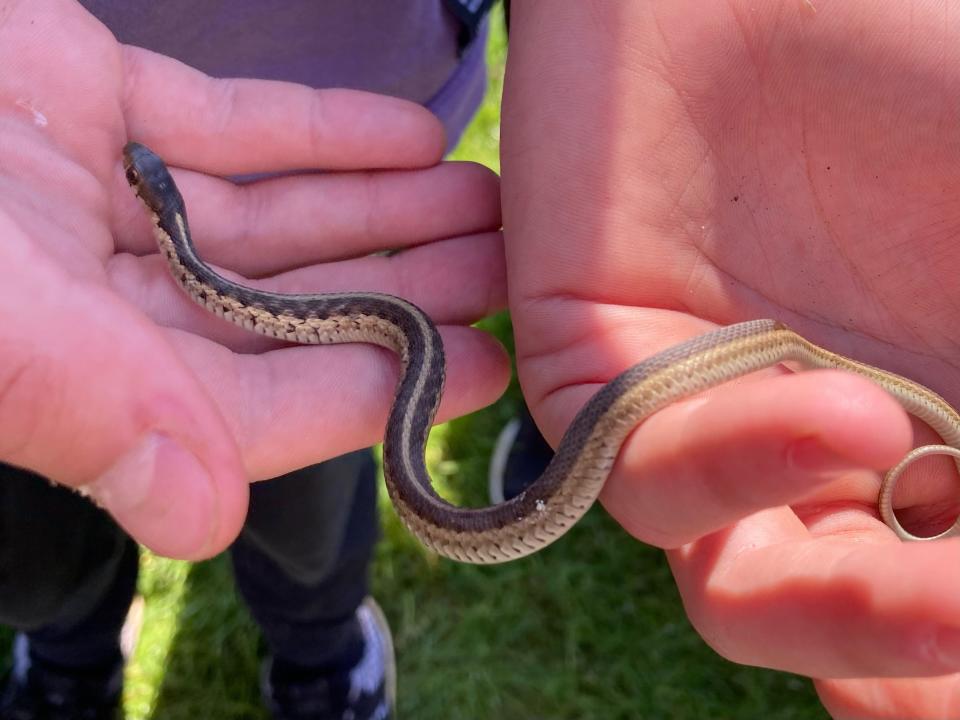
pixel 404 48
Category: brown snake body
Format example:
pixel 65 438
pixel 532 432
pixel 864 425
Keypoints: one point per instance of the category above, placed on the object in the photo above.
pixel 585 456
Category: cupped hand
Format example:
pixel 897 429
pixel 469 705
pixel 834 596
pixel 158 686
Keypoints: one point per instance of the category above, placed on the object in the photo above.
pixel 111 381
pixel 698 164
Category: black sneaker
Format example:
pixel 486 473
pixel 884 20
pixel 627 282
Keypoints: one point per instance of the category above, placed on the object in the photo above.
pixel 366 691
pixel 519 457
pixel 35 691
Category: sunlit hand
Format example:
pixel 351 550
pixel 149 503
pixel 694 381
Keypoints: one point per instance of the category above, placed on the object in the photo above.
pixel 110 379
pixel 694 164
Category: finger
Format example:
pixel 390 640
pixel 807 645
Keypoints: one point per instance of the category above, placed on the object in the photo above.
pixel 845 605
pixel 926 499
pixel 293 407
pixel 455 281
pixel 93 397
pixel 700 465
pixel 232 127
pixel 892 698
pixel 264 227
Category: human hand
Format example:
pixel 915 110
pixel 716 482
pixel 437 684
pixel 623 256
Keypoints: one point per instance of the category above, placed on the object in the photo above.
pixel 110 378
pixel 697 164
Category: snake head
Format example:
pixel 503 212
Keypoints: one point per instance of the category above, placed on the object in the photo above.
pixel 148 176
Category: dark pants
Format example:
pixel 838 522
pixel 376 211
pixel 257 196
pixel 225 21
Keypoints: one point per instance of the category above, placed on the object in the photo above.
pixel 68 572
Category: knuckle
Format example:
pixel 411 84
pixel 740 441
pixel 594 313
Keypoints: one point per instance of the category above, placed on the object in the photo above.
pixel 318 123
pixel 255 217
pixel 224 103
pixel 372 205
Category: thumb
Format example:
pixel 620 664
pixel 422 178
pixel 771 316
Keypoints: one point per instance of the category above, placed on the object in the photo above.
pixel 93 396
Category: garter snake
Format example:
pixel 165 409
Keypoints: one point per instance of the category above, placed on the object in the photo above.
pixel 584 458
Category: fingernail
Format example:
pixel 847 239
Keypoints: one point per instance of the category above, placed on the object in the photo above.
pixel 162 495
pixel 128 481
pixel 811 455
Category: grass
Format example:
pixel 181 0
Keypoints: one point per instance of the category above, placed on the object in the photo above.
pixel 590 628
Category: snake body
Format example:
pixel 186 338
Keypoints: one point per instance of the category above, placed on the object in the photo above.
pixel 585 456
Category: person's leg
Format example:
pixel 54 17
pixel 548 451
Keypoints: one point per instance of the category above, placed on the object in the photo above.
pixel 302 565
pixel 67 576
pixel 520 455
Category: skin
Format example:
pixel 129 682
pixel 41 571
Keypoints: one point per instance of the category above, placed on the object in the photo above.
pixel 691 164
pixel 110 380
pixel 695 164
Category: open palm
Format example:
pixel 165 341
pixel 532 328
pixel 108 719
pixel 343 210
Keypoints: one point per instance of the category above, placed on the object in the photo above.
pixel 110 379
pixel 727 161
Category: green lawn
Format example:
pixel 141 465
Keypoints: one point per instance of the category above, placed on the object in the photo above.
pixel 590 628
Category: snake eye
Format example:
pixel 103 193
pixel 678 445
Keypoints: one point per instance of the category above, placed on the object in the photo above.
pixel 133 177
